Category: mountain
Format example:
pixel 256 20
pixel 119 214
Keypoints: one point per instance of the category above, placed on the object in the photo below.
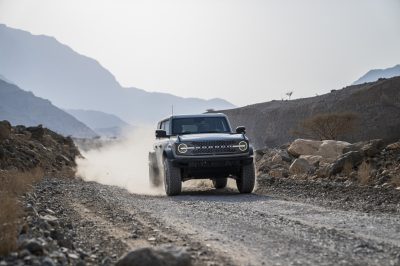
pixel 377 105
pixel 104 124
pixel 375 74
pixel 5 79
pixel 24 108
pixel 74 81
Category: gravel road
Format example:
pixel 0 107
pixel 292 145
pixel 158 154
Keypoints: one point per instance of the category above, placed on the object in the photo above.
pixel 223 227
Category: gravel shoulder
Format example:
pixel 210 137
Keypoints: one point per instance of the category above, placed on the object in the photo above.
pixel 334 195
pixel 219 227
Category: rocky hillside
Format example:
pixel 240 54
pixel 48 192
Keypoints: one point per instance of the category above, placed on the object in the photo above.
pixel 72 81
pixel 24 108
pixel 366 163
pixel 375 74
pixel 377 104
pixel 25 148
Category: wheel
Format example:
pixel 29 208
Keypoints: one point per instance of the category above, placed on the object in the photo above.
pixel 246 181
pixel 172 179
pixel 154 176
pixel 220 182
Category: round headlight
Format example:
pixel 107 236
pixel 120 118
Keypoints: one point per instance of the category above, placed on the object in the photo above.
pixel 243 146
pixel 182 148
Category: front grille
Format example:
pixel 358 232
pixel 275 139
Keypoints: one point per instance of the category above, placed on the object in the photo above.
pixel 214 147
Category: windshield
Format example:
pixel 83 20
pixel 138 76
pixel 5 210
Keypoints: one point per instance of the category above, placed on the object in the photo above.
pixel 196 125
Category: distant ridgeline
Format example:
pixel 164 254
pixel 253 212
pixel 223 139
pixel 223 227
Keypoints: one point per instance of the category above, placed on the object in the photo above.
pixel 23 108
pixel 375 74
pixel 73 81
pixel 377 104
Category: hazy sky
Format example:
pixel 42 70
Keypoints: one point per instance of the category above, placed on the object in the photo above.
pixel 245 51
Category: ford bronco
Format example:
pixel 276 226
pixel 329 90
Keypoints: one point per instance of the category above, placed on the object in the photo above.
pixel 200 147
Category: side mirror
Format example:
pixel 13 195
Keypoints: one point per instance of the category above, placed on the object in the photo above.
pixel 241 130
pixel 161 133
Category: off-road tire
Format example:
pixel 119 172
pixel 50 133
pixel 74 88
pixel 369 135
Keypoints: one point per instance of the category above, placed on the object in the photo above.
pixel 247 179
pixel 220 182
pixel 172 179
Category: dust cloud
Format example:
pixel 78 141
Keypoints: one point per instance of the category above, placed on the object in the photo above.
pixel 123 163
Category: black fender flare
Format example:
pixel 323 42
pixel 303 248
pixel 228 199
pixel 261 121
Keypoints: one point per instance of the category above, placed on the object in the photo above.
pixel 168 154
pixel 251 151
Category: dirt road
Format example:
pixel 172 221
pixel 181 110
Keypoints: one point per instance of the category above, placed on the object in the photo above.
pixel 223 227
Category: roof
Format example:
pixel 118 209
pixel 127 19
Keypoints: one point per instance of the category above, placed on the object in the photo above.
pixel 195 115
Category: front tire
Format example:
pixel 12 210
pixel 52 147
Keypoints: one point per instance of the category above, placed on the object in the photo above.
pixel 247 179
pixel 220 183
pixel 172 179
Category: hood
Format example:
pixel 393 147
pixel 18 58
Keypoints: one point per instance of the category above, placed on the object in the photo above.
pixel 211 137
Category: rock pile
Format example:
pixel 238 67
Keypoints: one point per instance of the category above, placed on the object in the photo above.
pixel 368 162
pixel 24 148
pixel 45 237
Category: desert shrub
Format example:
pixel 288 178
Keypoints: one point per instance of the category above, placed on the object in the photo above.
pixel 328 125
pixel 364 173
pixel 13 185
pixel 347 168
pixel 10 211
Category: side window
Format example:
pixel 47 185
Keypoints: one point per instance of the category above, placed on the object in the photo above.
pixel 166 126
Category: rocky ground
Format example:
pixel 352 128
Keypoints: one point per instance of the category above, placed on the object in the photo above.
pixel 363 176
pixel 71 222
pixel 316 203
pixel 370 163
pixel 83 223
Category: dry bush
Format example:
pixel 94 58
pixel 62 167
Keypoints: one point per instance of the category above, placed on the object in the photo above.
pixel 13 185
pixel 347 168
pixel 364 173
pixel 328 125
pixel 10 214
pixel 395 180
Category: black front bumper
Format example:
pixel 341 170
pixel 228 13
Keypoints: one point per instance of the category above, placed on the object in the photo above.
pixel 212 161
pixel 211 167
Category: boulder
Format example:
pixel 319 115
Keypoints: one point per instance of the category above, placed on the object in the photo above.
pixel 331 148
pixel 304 147
pixel 326 149
pixel 354 147
pixel 351 158
pixel 276 159
pixel 33 246
pixel 393 146
pixel 5 130
pixel 285 156
pixel 300 166
pixel 323 171
pixel 279 172
pixel 312 159
pixel 37 132
pixel 369 148
pixel 162 256
pixel 372 147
